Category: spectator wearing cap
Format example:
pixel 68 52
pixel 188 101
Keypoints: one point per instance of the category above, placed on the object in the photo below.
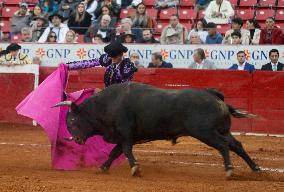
pixel 219 12
pixel 174 27
pixel 48 6
pixel 236 38
pixel 113 6
pixel 12 56
pixel 128 38
pixel 118 69
pixel 158 62
pixel 57 27
pixel 141 19
pixel 237 24
pixel 213 36
pixel 200 61
pixel 271 34
pixel 38 26
pixel 242 63
pixel 20 19
pixel 98 39
pixel 200 28
pixel 103 29
pixel 80 20
pixel 148 37
pixel 126 27
pixel 66 8
pixel 26 34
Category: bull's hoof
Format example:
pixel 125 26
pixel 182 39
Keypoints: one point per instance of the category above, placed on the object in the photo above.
pixel 229 173
pixel 103 169
pixel 256 168
pixel 136 171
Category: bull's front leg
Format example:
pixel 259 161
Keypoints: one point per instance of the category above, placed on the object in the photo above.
pixel 127 150
pixel 115 153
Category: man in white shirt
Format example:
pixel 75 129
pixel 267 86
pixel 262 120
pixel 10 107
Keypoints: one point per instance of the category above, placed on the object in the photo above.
pixel 274 64
pixel 57 27
pixel 219 12
pixel 200 61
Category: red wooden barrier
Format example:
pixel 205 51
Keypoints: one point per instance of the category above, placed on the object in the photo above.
pixel 261 92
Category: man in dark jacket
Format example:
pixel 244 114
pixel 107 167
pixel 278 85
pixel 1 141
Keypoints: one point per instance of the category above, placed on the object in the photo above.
pixel 274 65
pixel 157 62
pixel 147 37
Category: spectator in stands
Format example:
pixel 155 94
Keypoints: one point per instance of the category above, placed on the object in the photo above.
pixel 254 29
pixel 148 37
pixel 12 56
pixel 38 12
pixel 66 8
pixel 219 12
pixel 213 36
pixel 201 4
pixel 70 37
pixel 98 39
pixel 237 24
pixel 194 38
pixel 107 33
pixel 125 27
pixel 56 26
pixel 5 37
pixel 91 6
pixel 200 61
pixel 106 11
pixel 27 34
pixel 135 58
pixel 128 38
pixel 236 38
pixel 176 29
pixel 38 26
pixel 164 4
pixel 200 28
pixel 141 19
pixel 128 3
pixel 48 6
pixel 242 63
pixel 274 64
pixel 158 62
pixel 20 19
pixel 51 38
pixel 271 34
pixel 113 6
pixel 80 20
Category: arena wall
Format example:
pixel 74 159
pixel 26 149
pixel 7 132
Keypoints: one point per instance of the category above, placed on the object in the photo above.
pixel 261 93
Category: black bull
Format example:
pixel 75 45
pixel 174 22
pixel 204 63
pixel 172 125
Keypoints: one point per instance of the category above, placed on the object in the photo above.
pixel 131 113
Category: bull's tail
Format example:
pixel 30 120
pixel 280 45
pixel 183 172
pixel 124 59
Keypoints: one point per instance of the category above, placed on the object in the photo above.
pixel 240 114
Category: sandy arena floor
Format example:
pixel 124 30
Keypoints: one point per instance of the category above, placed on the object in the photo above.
pixel 188 166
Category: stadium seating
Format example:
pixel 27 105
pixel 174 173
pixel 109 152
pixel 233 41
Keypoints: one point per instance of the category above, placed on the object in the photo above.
pixel 223 28
pixel 187 3
pixel 126 12
pixel 280 3
pixel 9 11
pixel 167 13
pixel 267 2
pixel 13 2
pixel 248 3
pixel 245 14
pixel 187 14
pixel 279 14
pixel 263 13
pixel 5 26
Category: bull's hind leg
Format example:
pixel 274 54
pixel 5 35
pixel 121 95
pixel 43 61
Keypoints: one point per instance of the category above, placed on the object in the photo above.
pixel 127 150
pixel 237 147
pixel 115 153
pixel 220 143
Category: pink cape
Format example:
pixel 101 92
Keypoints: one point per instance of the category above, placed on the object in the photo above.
pixel 66 155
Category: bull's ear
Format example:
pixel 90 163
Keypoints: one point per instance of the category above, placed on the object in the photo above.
pixel 74 108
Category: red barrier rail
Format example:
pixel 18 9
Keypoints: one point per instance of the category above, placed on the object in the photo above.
pixel 261 93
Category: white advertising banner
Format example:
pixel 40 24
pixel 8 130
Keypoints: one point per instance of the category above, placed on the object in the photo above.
pixel 179 55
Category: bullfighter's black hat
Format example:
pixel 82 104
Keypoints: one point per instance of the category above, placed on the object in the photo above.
pixel 115 48
pixel 13 47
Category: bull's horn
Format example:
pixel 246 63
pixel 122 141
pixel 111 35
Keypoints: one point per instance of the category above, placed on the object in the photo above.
pixel 63 103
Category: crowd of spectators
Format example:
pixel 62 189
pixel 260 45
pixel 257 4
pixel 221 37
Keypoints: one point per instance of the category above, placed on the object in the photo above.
pixel 100 19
